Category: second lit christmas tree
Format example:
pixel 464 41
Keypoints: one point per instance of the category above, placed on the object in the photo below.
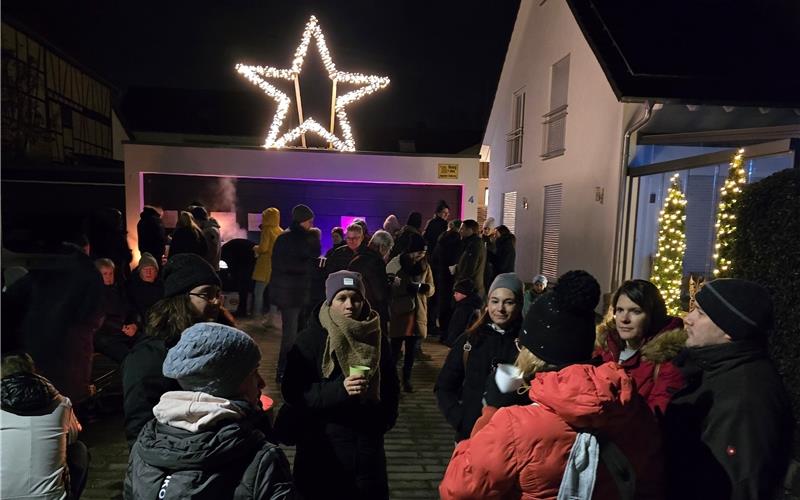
pixel 726 219
pixel 668 265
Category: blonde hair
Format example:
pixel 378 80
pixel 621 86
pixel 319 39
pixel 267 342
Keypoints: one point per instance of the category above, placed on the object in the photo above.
pixel 169 317
pixel 530 364
pixel 186 219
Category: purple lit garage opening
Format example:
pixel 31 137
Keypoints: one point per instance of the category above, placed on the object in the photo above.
pixel 238 202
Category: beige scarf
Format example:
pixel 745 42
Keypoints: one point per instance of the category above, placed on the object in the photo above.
pixel 355 343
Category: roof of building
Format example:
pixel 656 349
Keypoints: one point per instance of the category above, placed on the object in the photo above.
pixel 734 52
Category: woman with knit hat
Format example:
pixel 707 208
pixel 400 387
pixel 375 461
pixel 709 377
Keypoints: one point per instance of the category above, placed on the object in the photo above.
pixel 489 341
pixel 580 416
pixel 408 312
pixel 640 336
pixel 191 295
pixel 342 395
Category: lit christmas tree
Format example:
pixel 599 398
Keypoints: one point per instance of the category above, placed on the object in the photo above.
pixel 726 220
pixel 668 265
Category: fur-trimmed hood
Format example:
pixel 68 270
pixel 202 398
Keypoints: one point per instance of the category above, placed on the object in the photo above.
pixel 661 347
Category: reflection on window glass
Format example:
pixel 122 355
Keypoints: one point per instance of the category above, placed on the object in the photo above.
pixel 701 186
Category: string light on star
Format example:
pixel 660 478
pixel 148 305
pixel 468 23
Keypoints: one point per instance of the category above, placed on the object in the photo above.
pixel 726 218
pixel 667 273
pixel 259 76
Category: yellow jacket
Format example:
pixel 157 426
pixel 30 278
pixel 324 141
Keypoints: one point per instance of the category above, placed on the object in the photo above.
pixel 270 229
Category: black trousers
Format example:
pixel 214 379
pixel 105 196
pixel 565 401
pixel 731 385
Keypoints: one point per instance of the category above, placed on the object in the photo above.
pixel 410 353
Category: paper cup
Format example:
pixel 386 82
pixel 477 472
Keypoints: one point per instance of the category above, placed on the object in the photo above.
pixel 359 370
pixel 508 378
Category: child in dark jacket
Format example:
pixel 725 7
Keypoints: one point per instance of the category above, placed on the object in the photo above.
pixel 466 310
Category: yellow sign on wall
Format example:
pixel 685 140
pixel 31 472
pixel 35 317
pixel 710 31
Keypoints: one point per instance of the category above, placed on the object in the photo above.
pixel 448 170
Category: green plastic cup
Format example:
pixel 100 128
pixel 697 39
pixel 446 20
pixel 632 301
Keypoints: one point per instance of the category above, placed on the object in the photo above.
pixel 359 370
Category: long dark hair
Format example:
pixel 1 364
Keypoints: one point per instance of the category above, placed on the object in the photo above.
pixel 504 232
pixel 645 295
pixel 169 317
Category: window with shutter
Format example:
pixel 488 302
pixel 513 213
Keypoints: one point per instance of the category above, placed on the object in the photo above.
pixel 514 138
pixel 510 210
pixel 555 120
pixel 551 230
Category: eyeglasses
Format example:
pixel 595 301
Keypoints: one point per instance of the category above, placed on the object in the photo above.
pixel 208 296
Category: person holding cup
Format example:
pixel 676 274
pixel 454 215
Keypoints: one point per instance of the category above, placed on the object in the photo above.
pixel 490 341
pixel 342 391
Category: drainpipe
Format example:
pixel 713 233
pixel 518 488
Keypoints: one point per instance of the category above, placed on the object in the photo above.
pixel 623 177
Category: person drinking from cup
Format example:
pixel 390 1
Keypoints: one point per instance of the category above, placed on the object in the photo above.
pixel 342 394
pixel 474 355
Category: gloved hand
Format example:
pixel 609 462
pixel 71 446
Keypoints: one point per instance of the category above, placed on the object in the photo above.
pixel 493 397
pixel 424 288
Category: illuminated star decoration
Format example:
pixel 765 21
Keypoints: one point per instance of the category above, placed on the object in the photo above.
pixel 259 75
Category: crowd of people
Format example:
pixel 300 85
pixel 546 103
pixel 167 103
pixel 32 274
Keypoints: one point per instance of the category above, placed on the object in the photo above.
pixel 545 398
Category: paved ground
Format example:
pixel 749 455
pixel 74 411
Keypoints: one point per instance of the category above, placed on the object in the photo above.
pixel 417 449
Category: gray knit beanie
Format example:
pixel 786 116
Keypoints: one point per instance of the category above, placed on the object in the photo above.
pixel 343 280
pixel 212 358
pixel 510 281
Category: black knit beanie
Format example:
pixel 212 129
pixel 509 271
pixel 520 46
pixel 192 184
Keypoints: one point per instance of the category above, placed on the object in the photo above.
pixel 301 213
pixel 740 308
pixel 465 286
pixel 186 271
pixel 559 327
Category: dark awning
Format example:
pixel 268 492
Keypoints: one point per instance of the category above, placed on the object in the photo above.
pixel 726 52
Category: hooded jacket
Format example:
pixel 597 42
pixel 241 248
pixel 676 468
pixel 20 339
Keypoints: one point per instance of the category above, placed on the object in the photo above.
pixel 270 229
pixel 657 379
pixel 728 432
pixel 37 425
pixel 523 450
pixel 200 446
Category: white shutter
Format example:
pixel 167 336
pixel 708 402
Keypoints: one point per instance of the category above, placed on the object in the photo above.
pixel 510 210
pixel 551 230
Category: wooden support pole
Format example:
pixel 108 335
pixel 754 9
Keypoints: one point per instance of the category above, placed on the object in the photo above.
pixel 299 108
pixel 333 112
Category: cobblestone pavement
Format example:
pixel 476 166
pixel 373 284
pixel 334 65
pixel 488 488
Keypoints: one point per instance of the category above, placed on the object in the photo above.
pixel 417 449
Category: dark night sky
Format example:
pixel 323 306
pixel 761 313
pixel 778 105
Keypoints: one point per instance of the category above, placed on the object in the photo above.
pixel 444 57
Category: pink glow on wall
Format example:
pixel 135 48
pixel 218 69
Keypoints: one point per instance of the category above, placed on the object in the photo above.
pixel 346 220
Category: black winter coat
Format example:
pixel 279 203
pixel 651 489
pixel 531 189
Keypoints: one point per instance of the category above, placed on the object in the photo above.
pixel 143 295
pixel 151 235
pixel 370 264
pixel 504 256
pixel 238 254
pixel 339 259
pixel 728 431
pixel 28 394
pixel 232 460
pixel 459 391
pixel 465 312
pixel 472 262
pixel 447 251
pixel 143 383
pixel 340 444
pixel 435 228
pixel 294 259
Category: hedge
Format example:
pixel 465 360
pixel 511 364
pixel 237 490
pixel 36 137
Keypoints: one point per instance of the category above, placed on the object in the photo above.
pixel 767 250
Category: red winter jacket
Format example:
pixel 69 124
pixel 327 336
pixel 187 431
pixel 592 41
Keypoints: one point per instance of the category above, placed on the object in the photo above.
pixel 657 379
pixel 522 451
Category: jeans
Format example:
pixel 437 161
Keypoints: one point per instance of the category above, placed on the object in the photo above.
pixel 290 318
pixel 78 465
pixel 258 298
pixel 408 359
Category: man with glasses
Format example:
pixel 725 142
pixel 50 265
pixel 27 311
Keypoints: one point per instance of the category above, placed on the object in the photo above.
pixel 341 257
